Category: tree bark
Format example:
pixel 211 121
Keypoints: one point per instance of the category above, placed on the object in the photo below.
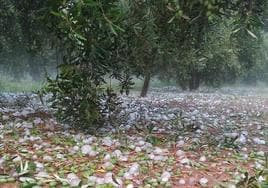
pixel 194 82
pixel 147 72
pixel 146 84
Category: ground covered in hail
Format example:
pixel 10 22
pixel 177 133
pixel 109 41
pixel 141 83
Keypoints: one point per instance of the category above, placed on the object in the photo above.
pixel 169 139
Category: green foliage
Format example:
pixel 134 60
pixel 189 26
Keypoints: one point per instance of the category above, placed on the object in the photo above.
pixel 76 98
pixel 254 181
pixel 126 83
pixel 88 30
pixel 219 58
pixel 150 136
pixel 194 42
pixel 213 37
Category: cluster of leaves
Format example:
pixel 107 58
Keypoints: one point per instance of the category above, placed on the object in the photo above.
pixel 255 181
pixel 87 29
pixel 75 97
pixel 80 102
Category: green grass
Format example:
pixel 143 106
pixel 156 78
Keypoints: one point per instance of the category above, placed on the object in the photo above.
pixel 7 84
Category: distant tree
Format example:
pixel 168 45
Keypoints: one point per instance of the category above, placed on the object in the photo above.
pixel 248 32
pixel 25 39
pixel 201 46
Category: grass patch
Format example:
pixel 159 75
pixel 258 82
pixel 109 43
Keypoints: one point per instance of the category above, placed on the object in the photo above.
pixel 7 84
pixel 138 83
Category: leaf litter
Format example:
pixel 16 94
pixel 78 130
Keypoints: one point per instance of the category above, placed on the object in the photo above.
pixel 216 139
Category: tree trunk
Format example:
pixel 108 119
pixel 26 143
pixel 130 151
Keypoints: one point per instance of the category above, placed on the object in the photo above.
pixel 147 78
pixel 183 86
pixel 194 82
pixel 146 84
pixel 191 83
pixel 197 81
